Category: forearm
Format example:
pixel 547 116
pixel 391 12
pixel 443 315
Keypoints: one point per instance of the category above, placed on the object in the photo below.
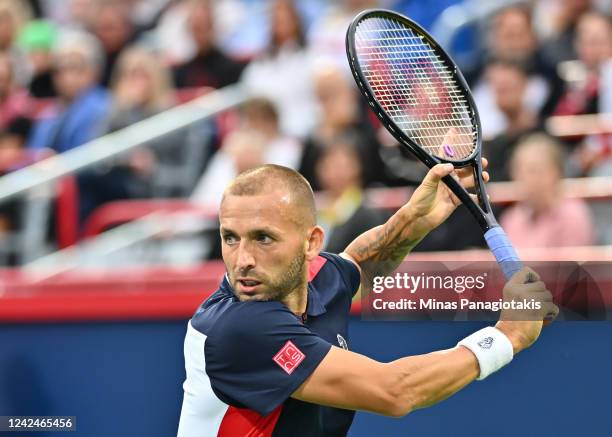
pixel 423 380
pixel 380 250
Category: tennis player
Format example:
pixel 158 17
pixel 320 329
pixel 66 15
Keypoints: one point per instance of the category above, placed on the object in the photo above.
pixel 268 353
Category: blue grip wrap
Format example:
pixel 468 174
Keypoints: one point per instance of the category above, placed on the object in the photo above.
pixel 504 252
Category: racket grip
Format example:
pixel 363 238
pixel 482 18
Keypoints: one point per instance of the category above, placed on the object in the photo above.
pixel 504 252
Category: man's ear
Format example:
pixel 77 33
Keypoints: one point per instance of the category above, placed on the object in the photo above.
pixel 314 243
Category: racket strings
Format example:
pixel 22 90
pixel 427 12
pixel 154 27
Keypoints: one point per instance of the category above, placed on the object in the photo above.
pixel 415 86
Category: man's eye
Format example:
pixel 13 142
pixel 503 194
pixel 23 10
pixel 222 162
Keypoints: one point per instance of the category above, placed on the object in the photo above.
pixel 265 239
pixel 230 239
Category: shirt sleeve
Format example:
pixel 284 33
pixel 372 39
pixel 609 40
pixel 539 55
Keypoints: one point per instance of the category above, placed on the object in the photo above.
pixel 259 353
pixel 348 270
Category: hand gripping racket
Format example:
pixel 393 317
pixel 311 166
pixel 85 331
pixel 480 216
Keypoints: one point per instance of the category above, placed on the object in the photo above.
pixel 419 94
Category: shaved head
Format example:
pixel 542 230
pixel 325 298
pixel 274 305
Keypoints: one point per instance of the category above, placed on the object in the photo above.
pixel 269 235
pixel 293 189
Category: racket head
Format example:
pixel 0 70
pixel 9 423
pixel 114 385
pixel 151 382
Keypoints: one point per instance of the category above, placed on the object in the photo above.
pixel 414 88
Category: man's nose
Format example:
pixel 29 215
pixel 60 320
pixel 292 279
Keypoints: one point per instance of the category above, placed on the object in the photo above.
pixel 245 259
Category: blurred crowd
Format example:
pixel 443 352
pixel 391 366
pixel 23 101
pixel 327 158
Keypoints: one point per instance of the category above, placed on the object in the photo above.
pixel 75 70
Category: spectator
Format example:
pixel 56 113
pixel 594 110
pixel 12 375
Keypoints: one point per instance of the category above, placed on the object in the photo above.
pixel 593 45
pixel 76 119
pixel 14 101
pixel 511 38
pixel 210 67
pixel 544 218
pixel 585 91
pixel 37 40
pixel 12 157
pixel 171 34
pixel 558 20
pixel 342 212
pixel 341 114
pixel 258 141
pixel 73 15
pixel 112 26
pixel 324 39
pixel 283 72
pixel 141 87
pixel 262 115
pixel 241 149
pixel 508 82
pixel 14 14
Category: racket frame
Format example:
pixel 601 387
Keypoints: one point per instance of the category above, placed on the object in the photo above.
pixel 482 210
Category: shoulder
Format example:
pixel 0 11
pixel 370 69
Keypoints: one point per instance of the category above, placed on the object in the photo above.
pixel 244 320
pixel 222 317
pixel 94 102
pixel 329 265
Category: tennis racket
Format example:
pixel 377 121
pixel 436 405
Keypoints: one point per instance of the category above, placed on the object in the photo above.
pixel 419 94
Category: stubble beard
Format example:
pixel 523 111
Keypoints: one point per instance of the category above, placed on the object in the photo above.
pixel 291 280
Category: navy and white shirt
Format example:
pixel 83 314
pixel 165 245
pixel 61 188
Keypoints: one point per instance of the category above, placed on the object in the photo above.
pixel 245 359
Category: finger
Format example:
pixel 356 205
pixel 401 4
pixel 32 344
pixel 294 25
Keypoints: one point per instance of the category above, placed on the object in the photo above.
pixel 523 276
pixel 437 172
pixel 531 290
pixel 551 315
pixel 485 163
pixel 466 177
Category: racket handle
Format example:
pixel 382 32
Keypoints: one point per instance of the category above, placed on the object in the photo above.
pixel 504 252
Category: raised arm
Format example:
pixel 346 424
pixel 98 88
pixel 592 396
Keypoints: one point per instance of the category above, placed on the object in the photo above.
pixel 381 249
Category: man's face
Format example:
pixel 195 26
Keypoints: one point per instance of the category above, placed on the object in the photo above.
pixel 263 247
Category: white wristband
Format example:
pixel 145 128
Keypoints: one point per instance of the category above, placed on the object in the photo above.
pixel 492 348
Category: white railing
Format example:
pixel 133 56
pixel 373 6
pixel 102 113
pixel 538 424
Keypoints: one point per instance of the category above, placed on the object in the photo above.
pixel 119 142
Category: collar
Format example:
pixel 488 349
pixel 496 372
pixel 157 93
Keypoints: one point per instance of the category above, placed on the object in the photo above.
pixel 314 306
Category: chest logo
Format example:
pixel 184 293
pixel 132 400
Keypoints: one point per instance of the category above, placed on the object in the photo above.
pixel 289 357
pixel 342 342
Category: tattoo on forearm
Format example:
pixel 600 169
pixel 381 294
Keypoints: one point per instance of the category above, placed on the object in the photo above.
pixel 380 250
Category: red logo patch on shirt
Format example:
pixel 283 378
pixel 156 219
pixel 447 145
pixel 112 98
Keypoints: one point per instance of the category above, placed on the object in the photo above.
pixel 289 357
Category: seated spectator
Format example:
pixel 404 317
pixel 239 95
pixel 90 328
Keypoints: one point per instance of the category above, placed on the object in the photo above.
pixel 258 141
pixel 262 115
pixel 341 114
pixel 593 45
pixel 585 91
pixel 557 21
pixel 511 38
pixel 110 23
pixel 283 73
pixel 325 40
pixel 12 157
pixel 241 150
pixel 14 100
pixel 37 39
pixel 82 105
pixel 210 67
pixel 544 218
pixel 341 211
pixel 508 82
pixel 14 14
pixel 141 87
